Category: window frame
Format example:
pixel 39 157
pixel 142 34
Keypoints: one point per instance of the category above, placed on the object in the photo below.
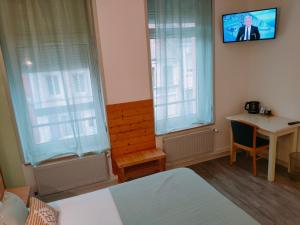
pixel 53 85
pixel 148 38
pixel 101 84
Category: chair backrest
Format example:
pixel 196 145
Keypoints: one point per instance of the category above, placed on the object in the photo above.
pixel 131 127
pixel 2 186
pixel 243 133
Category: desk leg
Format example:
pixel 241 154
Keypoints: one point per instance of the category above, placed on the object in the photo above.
pixel 294 146
pixel 232 149
pixel 272 157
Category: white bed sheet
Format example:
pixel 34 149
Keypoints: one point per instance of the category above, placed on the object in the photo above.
pixel 95 208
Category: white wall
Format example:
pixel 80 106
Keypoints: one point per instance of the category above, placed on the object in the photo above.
pixel 272 75
pixel 10 159
pixel 230 85
pixel 267 71
pixel 124 46
pixel 274 66
pixel 124 50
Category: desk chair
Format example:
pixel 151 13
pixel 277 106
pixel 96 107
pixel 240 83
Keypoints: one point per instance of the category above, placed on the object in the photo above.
pixel 245 138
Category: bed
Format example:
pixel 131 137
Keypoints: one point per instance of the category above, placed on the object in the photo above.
pixel 175 197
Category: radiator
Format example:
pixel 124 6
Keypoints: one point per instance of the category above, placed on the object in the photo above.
pixel 69 174
pixel 187 146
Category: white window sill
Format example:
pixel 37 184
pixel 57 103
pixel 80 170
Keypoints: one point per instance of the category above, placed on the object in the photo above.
pixel 186 130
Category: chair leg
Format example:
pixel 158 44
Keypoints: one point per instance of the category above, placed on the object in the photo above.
pixel 254 163
pixel 162 164
pixel 121 175
pixel 233 155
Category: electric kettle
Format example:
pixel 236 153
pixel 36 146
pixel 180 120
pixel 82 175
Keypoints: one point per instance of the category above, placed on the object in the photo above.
pixel 252 107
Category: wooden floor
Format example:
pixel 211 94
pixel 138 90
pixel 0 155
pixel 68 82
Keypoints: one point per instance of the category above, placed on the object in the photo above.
pixel 269 203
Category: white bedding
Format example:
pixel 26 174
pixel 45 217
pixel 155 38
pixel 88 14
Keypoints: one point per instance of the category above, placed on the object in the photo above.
pixel 95 208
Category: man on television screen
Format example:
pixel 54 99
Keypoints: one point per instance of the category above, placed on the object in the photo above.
pixel 248 32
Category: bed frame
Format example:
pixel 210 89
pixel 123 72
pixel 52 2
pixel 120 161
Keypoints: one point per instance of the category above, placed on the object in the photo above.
pixel 2 186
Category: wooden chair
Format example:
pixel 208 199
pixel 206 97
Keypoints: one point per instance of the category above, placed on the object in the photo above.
pixel 22 192
pixel 245 138
pixel 132 138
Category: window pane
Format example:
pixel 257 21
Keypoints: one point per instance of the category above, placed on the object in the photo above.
pixel 181 56
pixel 54 84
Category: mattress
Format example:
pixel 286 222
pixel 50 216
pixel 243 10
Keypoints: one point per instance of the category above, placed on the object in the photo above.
pixel 175 197
pixel 94 208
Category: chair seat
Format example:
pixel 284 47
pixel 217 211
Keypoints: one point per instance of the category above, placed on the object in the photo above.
pixel 261 142
pixel 243 137
pixel 139 157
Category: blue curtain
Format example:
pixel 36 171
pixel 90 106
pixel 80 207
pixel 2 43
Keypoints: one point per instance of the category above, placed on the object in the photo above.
pixel 53 75
pixel 181 55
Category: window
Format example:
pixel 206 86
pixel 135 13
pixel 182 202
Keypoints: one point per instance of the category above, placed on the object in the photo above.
pixel 65 128
pixel 53 85
pixel 53 77
pixel 79 80
pixel 180 35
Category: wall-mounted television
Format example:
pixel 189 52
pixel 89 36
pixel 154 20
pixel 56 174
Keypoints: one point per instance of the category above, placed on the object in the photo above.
pixel 250 25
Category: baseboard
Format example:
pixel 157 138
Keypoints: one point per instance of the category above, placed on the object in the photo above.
pixel 278 161
pixel 282 163
pixel 218 153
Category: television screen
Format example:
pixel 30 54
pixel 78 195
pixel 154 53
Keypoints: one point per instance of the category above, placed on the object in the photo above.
pixel 250 26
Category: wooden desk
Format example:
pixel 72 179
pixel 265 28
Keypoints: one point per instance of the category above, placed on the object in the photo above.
pixel 273 127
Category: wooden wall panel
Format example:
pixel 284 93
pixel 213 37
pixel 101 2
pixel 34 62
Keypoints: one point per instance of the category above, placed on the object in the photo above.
pixel 131 127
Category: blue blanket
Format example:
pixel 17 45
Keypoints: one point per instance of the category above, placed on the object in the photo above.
pixel 175 197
